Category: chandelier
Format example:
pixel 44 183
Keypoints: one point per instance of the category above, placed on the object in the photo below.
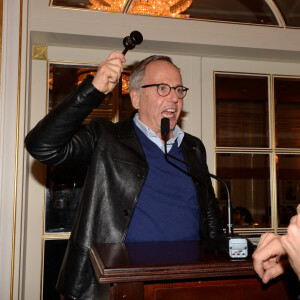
pixel 166 8
pixel 108 5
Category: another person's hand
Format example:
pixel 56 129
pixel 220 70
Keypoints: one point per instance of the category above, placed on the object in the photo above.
pixel 291 242
pixel 269 259
pixel 109 72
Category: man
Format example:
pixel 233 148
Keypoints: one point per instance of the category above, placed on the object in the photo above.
pixel 274 253
pixel 130 192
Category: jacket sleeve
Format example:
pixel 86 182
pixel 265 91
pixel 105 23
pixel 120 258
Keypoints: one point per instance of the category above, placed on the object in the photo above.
pixel 214 215
pixel 59 138
pixel 213 209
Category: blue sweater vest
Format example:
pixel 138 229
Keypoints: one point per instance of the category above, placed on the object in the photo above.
pixel 167 208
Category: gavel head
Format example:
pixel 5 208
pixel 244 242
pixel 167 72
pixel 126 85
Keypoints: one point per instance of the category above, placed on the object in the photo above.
pixel 131 41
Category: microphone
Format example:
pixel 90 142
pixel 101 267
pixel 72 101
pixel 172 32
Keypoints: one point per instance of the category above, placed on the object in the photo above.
pixel 165 129
pixel 235 246
pixel 129 42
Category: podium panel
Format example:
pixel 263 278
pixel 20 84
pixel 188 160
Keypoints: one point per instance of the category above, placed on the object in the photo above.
pixel 183 270
pixel 225 289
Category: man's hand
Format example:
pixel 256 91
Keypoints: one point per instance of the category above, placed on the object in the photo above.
pixel 291 242
pixel 109 72
pixel 269 259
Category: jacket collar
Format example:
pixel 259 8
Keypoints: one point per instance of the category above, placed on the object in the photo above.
pixel 194 158
pixel 125 129
pixel 126 134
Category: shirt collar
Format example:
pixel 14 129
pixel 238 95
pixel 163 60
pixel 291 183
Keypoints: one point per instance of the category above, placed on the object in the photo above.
pixel 178 134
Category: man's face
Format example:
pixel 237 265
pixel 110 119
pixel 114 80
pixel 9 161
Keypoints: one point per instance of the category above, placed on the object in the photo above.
pixel 153 107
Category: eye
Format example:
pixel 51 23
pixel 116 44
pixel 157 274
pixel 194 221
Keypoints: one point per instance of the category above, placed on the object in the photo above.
pixel 180 89
pixel 163 88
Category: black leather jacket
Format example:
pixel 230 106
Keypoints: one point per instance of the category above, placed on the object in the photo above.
pixel 116 175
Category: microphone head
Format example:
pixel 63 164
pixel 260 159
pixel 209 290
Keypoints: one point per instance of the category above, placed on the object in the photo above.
pixel 165 128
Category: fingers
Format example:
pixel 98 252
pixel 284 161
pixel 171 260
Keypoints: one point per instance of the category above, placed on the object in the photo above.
pixel 274 271
pixel 109 72
pixel 266 238
pixel 118 55
pixel 270 257
pixel 267 256
pixel 286 243
pixel 298 216
pixel 291 243
pixel 293 220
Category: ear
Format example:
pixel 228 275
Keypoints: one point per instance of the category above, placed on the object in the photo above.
pixel 135 99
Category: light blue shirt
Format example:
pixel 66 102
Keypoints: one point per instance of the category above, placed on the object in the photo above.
pixel 177 134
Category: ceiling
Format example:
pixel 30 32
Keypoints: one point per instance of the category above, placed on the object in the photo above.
pixel 278 13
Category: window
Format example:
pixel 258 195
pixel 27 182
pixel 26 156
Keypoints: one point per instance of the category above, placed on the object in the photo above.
pixel 243 147
pixel 257 142
pixel 287 146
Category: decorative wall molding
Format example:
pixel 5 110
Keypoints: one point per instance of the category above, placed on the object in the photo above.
pixel 39 52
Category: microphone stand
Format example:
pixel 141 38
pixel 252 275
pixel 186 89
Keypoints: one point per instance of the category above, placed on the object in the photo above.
pixel 226 243
pixel 165 130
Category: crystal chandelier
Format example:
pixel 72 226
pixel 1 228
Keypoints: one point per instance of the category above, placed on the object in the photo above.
pixel 108 5
pixel 166 8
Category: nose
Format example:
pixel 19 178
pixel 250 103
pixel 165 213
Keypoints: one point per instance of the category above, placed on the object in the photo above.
pixel 173 96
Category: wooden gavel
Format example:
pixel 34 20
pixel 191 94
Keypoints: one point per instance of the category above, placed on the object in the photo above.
pixel 131 41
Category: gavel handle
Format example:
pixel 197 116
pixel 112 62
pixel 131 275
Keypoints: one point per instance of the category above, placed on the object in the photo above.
pixel 125 50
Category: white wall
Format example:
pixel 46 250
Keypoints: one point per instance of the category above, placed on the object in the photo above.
pixel 106 30
pixel 8 134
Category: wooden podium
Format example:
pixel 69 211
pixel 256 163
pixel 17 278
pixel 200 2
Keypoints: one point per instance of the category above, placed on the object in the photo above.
pixel 179 271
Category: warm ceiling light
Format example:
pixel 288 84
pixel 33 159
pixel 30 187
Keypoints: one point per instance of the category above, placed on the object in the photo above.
pixel 108 5
pixel 125 83
pixel 82 73
pixel 166 8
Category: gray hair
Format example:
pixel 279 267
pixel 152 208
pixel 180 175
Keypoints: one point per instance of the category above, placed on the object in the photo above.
pixel 138 72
